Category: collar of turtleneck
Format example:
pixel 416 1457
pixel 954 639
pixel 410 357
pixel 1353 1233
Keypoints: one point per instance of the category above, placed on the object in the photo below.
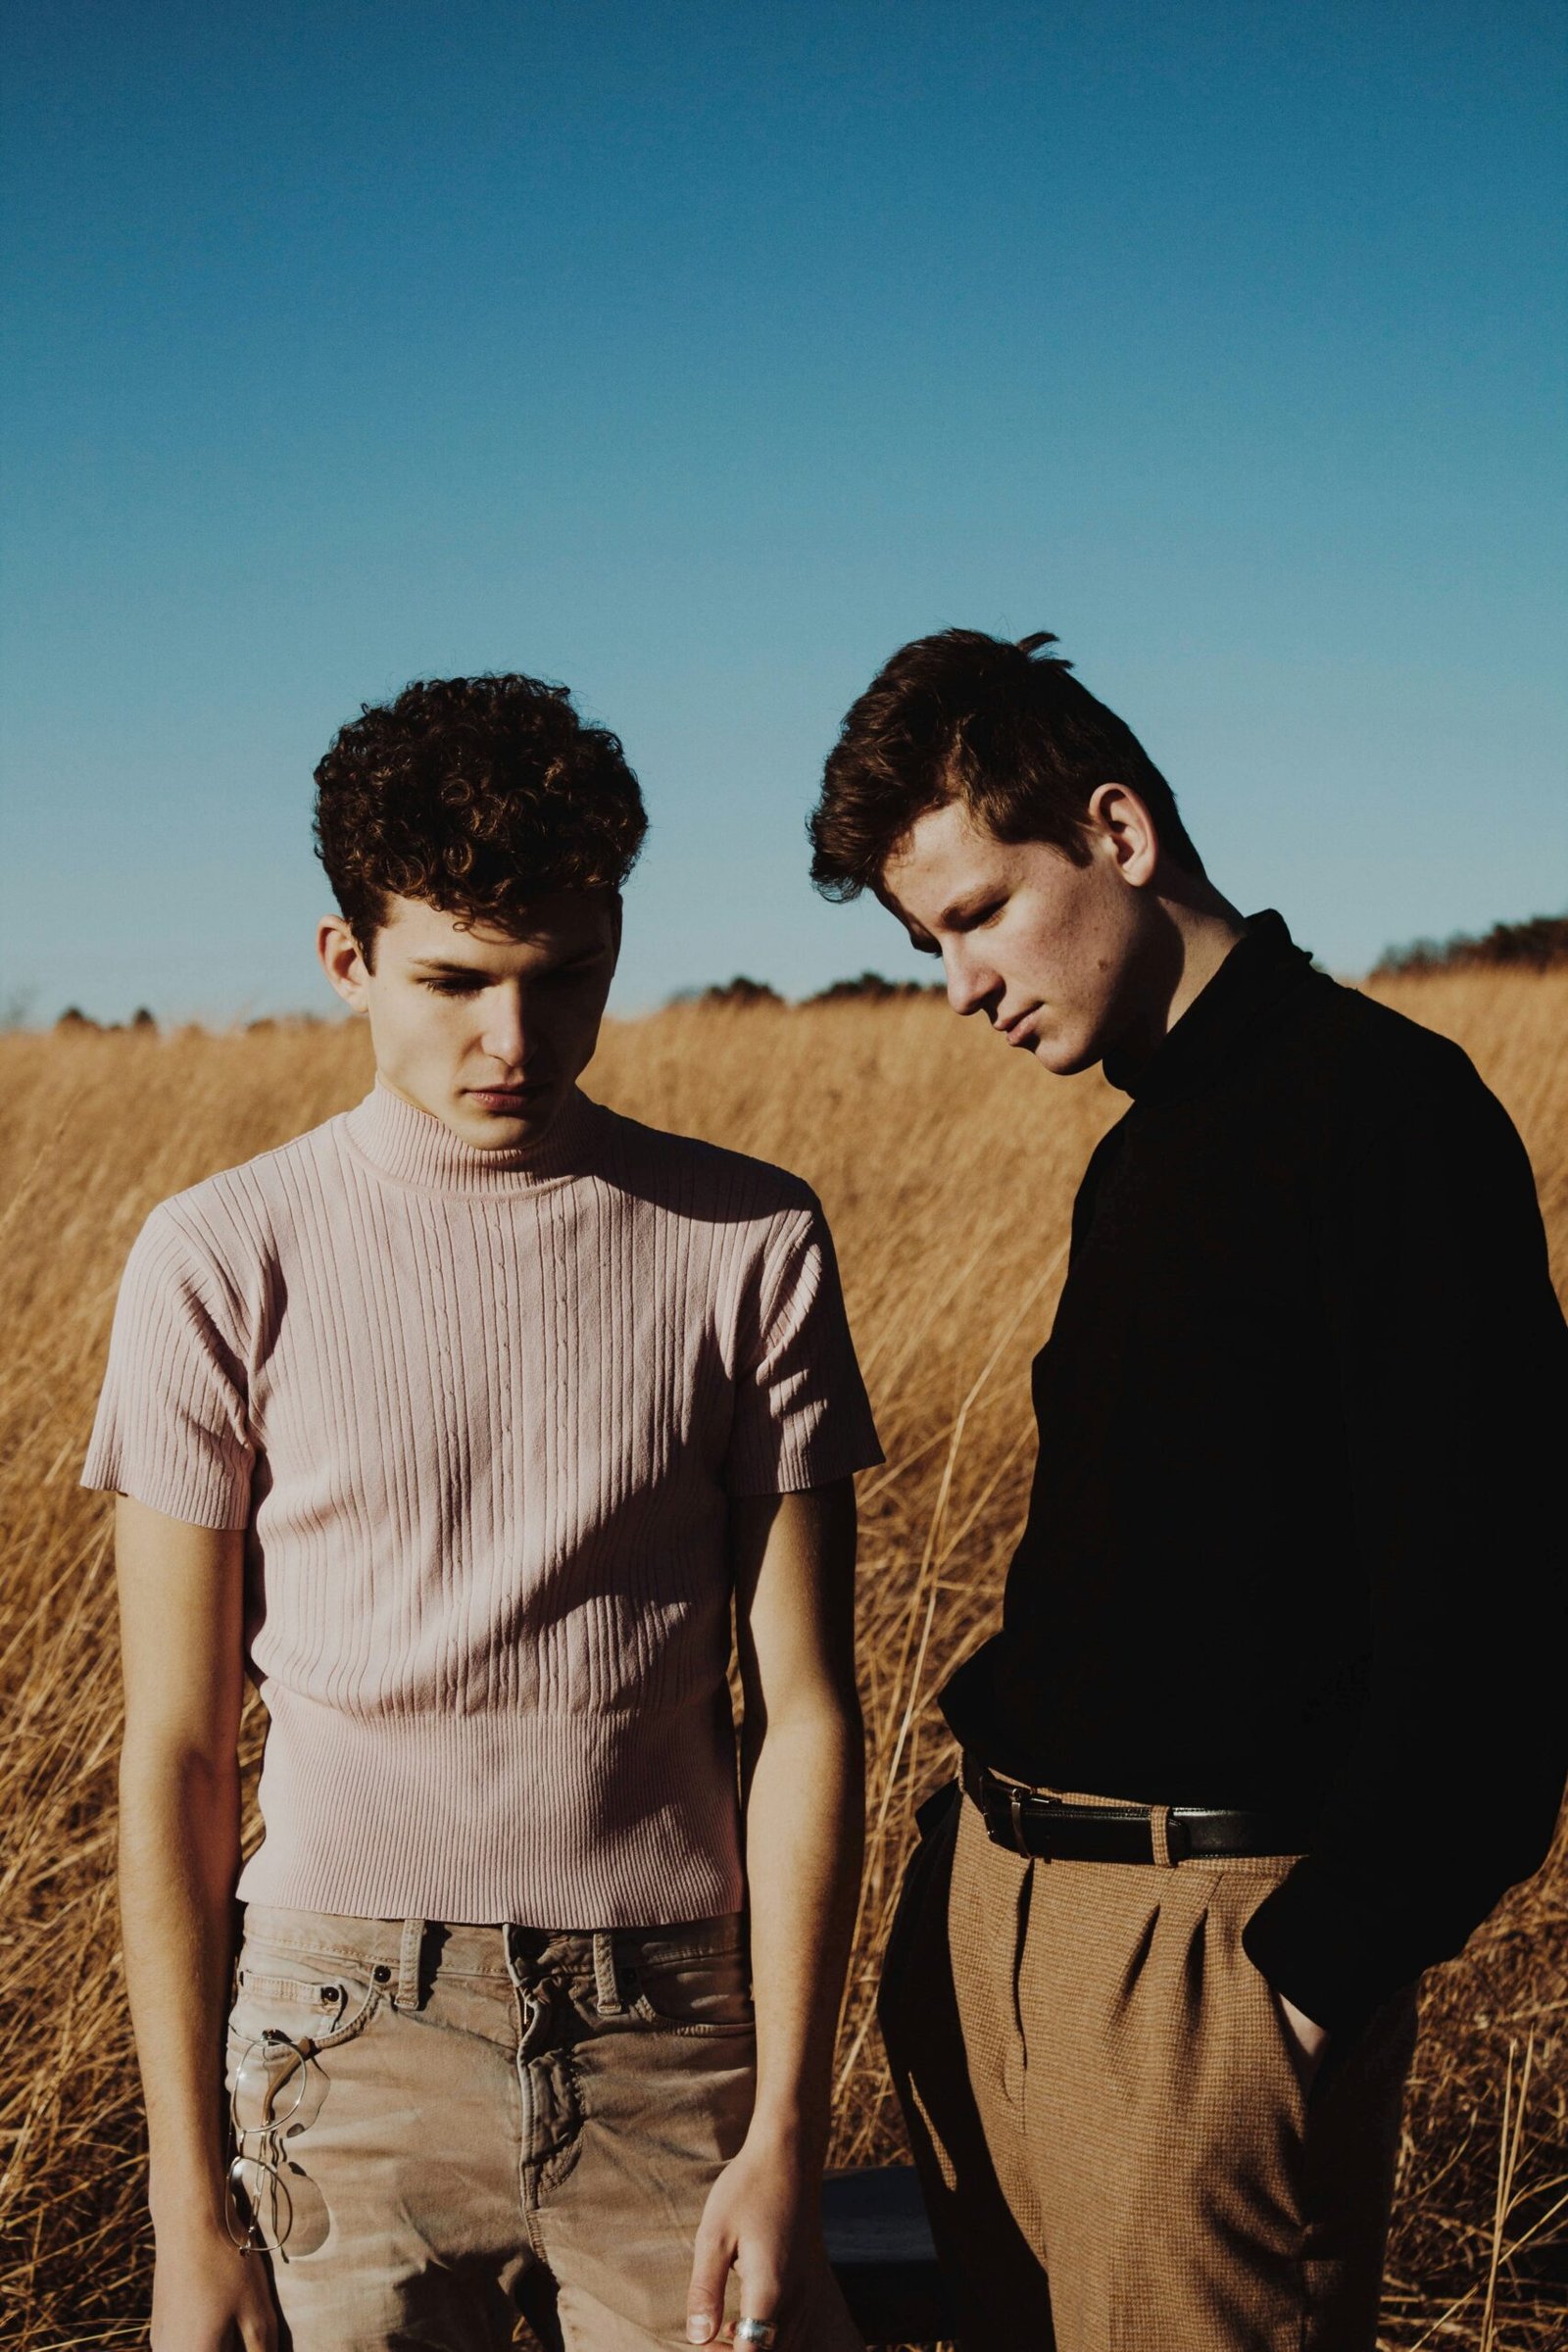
pixel 414 1147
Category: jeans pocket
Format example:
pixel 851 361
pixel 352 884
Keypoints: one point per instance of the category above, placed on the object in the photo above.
pixel 693 1991
pixel 302 1997
pixel 291 2012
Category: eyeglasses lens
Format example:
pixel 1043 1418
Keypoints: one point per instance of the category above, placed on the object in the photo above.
pixel 261 2201
pixel 268 2087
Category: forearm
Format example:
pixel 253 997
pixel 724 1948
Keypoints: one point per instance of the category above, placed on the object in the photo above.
pixel 804 1804
pixel 179 1861
pixel 805 1811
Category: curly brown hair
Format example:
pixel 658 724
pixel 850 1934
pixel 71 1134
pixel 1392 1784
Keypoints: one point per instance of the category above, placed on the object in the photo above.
pixel 1003 727
pixel 477 795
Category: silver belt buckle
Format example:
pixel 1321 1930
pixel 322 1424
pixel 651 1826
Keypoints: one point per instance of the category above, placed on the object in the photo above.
pixel 1015 1815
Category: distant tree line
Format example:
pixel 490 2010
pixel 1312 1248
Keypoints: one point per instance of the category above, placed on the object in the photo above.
pixel 75 1022
pixel 1534 945
pixel 869 989
pixel 75 1018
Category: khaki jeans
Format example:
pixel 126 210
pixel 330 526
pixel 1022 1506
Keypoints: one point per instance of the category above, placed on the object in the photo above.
pixel 1121 2144
pixel 504 2121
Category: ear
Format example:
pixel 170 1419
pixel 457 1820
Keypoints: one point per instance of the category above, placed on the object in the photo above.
pixel 341 962
pixel 1120 827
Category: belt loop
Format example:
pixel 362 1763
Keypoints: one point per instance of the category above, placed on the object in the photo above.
pixel 1160 1837
pixel 410 1948
pixel 606 1984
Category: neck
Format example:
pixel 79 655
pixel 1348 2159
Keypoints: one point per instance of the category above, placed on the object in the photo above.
pixel 1191 931
pixel 414 1147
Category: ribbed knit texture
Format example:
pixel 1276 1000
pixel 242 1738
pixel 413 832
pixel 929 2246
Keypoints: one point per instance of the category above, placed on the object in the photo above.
pixel 481 1412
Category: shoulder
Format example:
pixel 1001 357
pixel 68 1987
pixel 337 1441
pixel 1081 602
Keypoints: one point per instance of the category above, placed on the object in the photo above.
pixel 1388 1089
pixel 1380 1064
pixel 1372 1037
pixel 231 1220
pixel 705 1182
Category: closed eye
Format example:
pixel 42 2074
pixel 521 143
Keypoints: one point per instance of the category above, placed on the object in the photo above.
pixel 976 918
pixel 469 984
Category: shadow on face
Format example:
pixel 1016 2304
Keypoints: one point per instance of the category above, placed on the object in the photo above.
pixel 485 1029
pixel 1046 947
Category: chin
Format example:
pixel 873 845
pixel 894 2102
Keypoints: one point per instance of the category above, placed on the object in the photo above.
pixel 511 1127
pixel 1065 1057
pixel 497 1126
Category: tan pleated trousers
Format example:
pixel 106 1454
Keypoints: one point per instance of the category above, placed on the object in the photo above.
pixel 1121 2144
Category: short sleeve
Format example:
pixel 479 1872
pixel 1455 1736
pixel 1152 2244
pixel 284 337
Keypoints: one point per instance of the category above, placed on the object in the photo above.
pixel 801 1416
pixel 173 1426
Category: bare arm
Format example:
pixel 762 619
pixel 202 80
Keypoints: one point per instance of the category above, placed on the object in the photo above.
pixel 802 1768
pixel 181 1604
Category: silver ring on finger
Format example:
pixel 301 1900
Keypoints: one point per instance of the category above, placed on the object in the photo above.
pixel 763 2333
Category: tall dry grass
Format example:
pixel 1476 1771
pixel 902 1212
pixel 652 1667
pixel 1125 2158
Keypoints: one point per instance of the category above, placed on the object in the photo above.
pixel 946 1167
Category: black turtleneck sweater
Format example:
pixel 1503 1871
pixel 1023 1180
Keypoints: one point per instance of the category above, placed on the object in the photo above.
pixel 1296 1537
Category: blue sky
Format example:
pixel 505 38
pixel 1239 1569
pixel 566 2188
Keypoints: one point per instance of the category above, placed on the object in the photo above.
pixel 699 355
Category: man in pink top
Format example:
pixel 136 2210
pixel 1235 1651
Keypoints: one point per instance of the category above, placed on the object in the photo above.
pixel 459 1425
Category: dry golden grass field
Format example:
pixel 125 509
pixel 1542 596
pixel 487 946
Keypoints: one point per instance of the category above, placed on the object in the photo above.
pixel 946 1167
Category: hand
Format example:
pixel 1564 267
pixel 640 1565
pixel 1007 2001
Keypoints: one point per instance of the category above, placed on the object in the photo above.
pixel 1310 2037
pixel 210 2297
pixel 761 2220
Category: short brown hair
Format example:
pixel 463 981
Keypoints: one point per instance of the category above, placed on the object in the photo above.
pixel 1001 726
pixel 477 795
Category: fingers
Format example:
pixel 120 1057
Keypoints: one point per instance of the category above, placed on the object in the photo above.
pixel 762 2294
pixel 258 2327
pixel 704 2296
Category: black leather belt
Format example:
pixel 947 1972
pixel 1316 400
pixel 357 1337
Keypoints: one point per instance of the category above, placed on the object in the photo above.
pixel 1053 1831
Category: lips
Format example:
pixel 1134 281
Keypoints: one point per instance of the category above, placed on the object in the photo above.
pixel 518 1095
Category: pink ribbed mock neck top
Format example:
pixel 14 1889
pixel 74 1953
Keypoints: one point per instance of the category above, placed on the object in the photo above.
pixel 481 1412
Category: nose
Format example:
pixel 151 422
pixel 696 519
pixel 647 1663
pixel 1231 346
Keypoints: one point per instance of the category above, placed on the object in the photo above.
pixel 972 984
pixel 505 1037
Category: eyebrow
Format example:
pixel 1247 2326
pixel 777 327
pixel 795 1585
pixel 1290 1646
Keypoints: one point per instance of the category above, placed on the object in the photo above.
pixel 967 907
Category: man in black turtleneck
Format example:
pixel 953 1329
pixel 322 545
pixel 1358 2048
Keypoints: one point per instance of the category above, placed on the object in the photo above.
pixel 1274 1715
